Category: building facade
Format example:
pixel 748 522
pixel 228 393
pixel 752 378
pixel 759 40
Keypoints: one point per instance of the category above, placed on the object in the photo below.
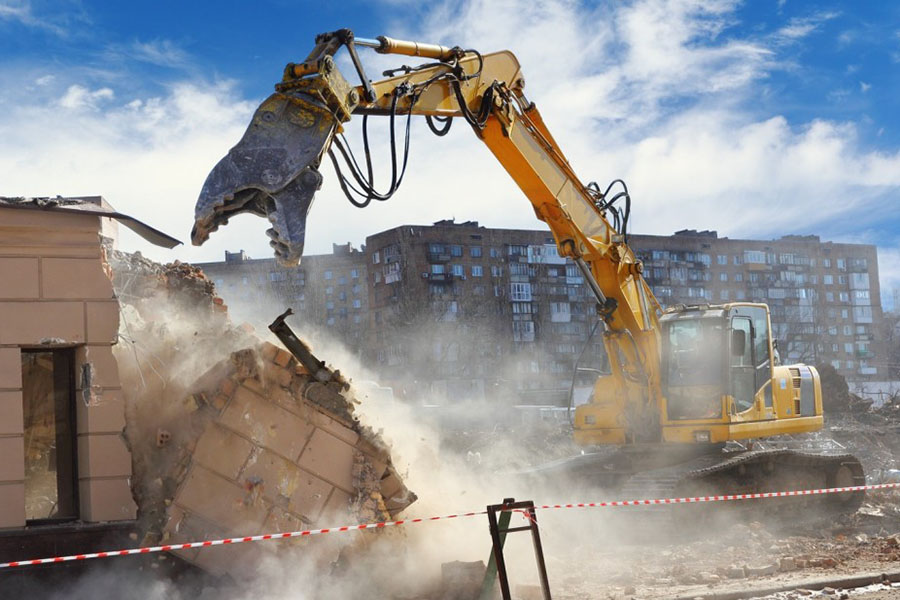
pixel 465 311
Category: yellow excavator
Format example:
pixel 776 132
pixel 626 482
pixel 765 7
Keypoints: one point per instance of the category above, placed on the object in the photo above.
pixel 691 389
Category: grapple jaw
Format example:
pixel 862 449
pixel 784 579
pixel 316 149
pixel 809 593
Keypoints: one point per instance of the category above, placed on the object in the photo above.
pixel 271 172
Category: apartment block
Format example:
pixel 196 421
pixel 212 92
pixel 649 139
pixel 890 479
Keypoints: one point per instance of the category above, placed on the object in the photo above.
pixel 824 297
pixel 478 312
pixel 466 311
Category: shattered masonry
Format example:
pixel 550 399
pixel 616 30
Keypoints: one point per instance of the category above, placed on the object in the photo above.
pixel 253 445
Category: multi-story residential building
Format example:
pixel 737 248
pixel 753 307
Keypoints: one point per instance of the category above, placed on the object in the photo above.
pixel 324 290
pixel 467 311
pixel 824 297
pixel 477 311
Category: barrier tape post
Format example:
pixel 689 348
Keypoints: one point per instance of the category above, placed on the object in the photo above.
pixel 311 532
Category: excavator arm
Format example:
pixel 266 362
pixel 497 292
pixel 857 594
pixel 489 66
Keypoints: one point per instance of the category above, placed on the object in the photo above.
pixel 273 172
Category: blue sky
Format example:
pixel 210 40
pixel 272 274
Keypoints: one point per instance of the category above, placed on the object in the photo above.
pixel 757 119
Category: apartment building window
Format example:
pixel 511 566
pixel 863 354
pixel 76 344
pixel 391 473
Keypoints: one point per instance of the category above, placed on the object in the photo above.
pixel 456 250
pixel 560 312
pixel 678 273
pixel 329 305
pixel 521 308
pixel 523 331
pixel 723 295
pixel 342 296
pixel 722 259
pixel 858 263
pixel 357 303
pixel 495 252
pixel 277 276
pixel 845 314
pixel 517 250
pixel 844 296
pixel 862 314
pixel 754 257
pixel 245 280
pixel 376 258
pixel 357 319
pixel 496 271
pixel 520 292
pixel 829 296
pixel 475 251
pixel 739 277
pixel 457 270
pixel 777 293
pixel 437 269
pixel 477 271
pixel 355 289
pixel 841 264
pixel 659 255
pixel 354 273
pixel 329 290
pixel 342 280
pixel 48 392
pixel 723 276
pixel 520 269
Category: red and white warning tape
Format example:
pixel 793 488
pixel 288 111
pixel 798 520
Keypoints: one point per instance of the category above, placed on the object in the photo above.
pixel 236 540
pixel 310 532
pixel 723 498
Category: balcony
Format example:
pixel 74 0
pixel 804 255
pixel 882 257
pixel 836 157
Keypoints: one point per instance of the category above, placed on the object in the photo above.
pixel 440 277
pixel 439 257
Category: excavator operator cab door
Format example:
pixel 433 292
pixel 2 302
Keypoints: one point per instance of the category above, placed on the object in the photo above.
pixel 743 370
pixel 750 365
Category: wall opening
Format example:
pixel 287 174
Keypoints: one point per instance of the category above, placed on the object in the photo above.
pixel 48 391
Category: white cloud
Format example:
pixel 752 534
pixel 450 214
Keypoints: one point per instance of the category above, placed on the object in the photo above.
pixel 864 87
pixel 20 11
pixel 798 28
pixel 160 52
pixel 78 97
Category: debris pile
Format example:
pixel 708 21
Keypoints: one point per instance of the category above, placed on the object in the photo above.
pixel 255 444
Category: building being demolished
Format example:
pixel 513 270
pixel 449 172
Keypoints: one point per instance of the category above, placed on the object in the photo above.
pixel 133 409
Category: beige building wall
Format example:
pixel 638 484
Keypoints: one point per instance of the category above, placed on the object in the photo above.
pixel 55 292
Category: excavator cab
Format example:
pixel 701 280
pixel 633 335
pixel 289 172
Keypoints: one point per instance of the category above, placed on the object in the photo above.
pixel 721 380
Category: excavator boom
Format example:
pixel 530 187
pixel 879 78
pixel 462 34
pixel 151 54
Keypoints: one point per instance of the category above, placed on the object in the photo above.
pixel 274 172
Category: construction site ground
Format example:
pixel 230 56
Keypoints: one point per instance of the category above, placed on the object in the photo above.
pixel 722 559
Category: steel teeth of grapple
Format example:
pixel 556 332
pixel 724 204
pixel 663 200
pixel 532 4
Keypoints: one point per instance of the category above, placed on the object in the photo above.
pixel 271 172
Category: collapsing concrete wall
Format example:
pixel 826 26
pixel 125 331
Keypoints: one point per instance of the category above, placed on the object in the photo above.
pixel 255 444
